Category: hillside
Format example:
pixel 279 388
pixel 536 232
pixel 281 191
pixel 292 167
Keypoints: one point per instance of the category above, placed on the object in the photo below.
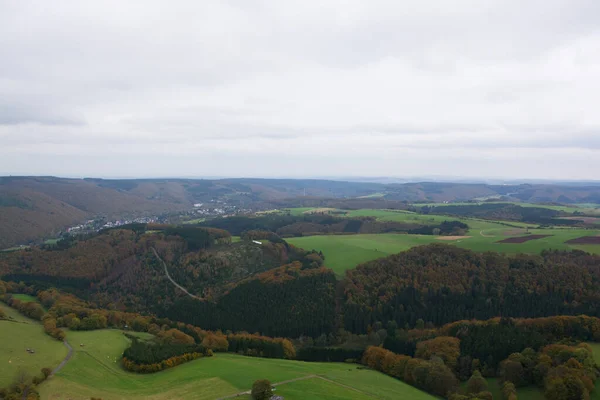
pixel 35 208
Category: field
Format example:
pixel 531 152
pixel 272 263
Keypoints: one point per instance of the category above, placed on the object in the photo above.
pixel 587 208
pixel 93 372
pixel 25 298
pixel 194 221
pixel 429 219
pixel 15 337
pixel 343 252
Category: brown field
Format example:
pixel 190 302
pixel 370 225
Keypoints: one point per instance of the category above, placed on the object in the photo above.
pixel 522 239
pixel 452 237
pixel 585 240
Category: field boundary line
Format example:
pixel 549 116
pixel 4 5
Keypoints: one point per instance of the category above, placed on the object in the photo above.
pixel 302 378
pixel 247 392
pixel 344 386
pixel 171 279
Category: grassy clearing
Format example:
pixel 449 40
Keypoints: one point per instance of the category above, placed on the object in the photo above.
pixel 429 219
pixel 94 372
pixel 25 298
pixel 16 248
pixel 343 252
pixel 194 221
pixel 18 334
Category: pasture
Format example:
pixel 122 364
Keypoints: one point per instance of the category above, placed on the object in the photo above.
pixel 93 372
pixel 343 252
pixel 586 208
pixel 25 298
pixel 16 336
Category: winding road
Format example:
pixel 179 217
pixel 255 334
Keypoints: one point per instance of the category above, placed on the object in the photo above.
pixel 171 279
pixel 63 362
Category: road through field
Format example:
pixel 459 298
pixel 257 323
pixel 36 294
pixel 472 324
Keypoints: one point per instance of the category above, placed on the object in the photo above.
pixel 66 360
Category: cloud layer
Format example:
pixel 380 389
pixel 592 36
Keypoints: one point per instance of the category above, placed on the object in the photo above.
pixel 468 88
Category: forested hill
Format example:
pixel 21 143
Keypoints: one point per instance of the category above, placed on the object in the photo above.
pixel 32 208
pixel 440 283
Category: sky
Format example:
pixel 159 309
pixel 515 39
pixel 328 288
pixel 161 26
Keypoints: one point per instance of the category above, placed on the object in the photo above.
pixel 300 88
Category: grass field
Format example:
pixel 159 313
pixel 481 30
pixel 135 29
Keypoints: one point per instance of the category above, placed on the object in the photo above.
pixel 25 298
pixel 16 336
pixel 94 372
pixel 587 208
pixel 343 252
pixel 194 221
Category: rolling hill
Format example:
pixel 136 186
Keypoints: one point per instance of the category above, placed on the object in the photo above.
pixel 34 208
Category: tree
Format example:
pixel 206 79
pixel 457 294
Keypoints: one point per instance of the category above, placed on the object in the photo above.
pixel 566 388
pixel 46 372
pixel 476 383
pixel 447 348
pixel 509 391
pixel 261 389
pixel 420 324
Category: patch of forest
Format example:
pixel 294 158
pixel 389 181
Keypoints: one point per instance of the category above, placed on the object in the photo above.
pixel 440 283
pixel 320 224
pixel 502 211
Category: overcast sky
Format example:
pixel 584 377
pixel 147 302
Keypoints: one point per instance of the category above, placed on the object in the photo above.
pixel 300 88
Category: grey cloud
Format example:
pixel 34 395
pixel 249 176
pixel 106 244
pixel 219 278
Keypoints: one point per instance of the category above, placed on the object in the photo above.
pixel 16 114
pixel 364 87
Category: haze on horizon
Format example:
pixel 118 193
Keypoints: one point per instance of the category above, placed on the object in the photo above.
pixel 493 88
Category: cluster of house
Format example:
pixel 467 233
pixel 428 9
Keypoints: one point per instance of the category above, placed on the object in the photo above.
pixel 93 225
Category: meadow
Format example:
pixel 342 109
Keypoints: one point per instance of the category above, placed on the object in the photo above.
pixel 16 335
pixel 586 208
pixel 94 371
pixel 343 252
pixel 25 298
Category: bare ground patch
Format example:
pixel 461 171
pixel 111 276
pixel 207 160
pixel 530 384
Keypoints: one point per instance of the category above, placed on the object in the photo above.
pixel 452 237
pixel 523 239
pixel 585 240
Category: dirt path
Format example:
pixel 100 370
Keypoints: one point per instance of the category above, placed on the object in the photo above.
pixel 171 279
pixel 63 362
pixel 484 235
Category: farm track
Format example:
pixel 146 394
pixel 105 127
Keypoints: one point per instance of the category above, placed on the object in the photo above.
pixel 303 378
pixel 171 279
pixel 63 362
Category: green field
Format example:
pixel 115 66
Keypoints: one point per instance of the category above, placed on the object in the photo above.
pixel 194 221
pixel 93 372
pixel 18 334
pixel 25 298
pixel 343 252
pixel 587 208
